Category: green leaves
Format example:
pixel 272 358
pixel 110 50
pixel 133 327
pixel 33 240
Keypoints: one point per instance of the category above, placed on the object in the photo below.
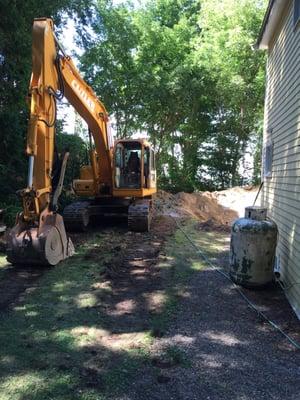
pixel 226 50
pixel 183 71
pixel 15 69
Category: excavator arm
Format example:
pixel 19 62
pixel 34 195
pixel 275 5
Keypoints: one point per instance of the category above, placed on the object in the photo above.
pixel 54 76
pixel 39 236
pixel 91 109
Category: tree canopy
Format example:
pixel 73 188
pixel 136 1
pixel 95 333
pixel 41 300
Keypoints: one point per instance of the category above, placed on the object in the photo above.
pixel 185 72
pixel 15 69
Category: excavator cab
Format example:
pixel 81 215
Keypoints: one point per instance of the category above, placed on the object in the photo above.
pixel 134 168
pixel 128 166
pixel 130 194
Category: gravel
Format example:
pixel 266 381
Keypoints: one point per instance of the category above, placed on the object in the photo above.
pixel 232 353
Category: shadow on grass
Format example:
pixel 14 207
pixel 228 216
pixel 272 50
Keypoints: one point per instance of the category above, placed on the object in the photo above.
pixel 85 331
pixel 70 337
pixel 50 343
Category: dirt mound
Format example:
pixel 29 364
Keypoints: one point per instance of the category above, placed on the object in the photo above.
pixel 219 208
pixel 237 198
pixel 204 206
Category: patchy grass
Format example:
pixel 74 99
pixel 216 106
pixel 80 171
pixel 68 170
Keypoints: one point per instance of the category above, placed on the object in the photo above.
pixel 212 243
pixel 60 341
pixel 180 262
pixel 177 356
pixel 51 342
pixel 42 354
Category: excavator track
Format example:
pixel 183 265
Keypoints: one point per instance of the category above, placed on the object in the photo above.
pixel 76 216
pixel 139 216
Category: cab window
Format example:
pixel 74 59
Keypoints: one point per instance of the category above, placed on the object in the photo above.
pixel 128 165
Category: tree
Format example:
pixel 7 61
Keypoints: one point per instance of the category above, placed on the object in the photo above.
pixel 109 63
pixel 78 155
pixel 175 106
pixel 185 72
pixel 15 68
pixel 229 30
pixel 139 63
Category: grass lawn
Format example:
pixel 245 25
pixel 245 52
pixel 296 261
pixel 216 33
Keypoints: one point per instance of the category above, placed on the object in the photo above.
pixel 56 342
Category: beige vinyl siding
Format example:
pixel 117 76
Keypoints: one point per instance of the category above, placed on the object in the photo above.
pixel 281 193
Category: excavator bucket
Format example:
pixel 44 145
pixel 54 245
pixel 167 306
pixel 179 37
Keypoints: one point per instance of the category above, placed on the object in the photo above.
pixel 46 244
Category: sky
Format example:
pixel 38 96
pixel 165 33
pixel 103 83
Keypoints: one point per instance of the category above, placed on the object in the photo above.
pixel 66 112
pixel 67 39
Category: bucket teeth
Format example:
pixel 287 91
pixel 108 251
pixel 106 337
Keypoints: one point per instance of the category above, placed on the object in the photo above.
pixel 46 245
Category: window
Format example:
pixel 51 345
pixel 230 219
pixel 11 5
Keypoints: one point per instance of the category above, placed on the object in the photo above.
pixel 296 12
pixel 128 165
pixel 268 159
pixel 146 167
pixel 153 171
pixel 152 160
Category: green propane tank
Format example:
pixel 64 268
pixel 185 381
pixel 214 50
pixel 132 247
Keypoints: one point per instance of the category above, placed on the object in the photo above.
pixel 252 248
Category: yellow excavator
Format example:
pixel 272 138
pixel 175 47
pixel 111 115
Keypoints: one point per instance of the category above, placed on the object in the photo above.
pixel 121 177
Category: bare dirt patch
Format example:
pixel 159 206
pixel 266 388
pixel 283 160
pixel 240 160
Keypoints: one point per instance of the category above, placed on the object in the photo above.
pixel 16 281
pixel 130 250
pixel 213 209
pixel 135 281
pixel 215 346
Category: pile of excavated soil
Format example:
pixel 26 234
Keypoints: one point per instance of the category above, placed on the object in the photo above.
pixel 237 198
pixel 215 208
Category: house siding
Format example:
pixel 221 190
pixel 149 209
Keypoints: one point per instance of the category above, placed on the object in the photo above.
pixel 281 192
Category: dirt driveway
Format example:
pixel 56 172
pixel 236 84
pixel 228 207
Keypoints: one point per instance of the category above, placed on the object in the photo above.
pixel 137 317
pixel 216 347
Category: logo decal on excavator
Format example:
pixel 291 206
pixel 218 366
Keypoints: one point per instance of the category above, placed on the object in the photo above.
pixel 83 95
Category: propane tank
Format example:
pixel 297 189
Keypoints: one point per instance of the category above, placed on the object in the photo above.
pixel 252 248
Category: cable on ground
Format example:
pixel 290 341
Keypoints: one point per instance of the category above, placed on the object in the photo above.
pixel 248 301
